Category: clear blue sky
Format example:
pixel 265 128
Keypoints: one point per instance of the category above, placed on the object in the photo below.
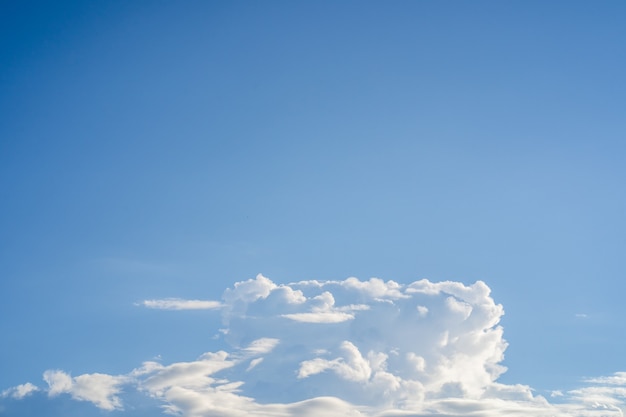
pixel 165 149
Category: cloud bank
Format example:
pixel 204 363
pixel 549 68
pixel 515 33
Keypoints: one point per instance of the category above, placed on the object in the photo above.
pixel 343 348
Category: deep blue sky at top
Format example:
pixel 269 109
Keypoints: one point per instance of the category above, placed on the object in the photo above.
pixel 168 149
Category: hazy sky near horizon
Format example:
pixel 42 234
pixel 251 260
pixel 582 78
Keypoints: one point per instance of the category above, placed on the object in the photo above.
pixel 154 154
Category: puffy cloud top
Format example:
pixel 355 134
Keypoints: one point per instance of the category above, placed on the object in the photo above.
pixel 340 348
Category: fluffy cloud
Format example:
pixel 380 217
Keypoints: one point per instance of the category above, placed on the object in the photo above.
pixel 100 389
pixel 20 391
pixel 346 348
pixel 323 310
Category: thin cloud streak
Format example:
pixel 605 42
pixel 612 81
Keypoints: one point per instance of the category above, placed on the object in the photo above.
pixel 181 304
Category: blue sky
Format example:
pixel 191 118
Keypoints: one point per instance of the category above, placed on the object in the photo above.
pixel 157 150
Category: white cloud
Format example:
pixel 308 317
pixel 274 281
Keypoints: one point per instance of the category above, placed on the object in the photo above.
pixel 58 382
pixel 375 288
pixel 618 378
pixel 320 317
pixel 100 389
pixel 261 346
pixel 253 363
pixel 322 309
pixel 340 348
pixel 180 304
pixel 260 288
pixel 159 379
pixel 20 391
pixel 351 366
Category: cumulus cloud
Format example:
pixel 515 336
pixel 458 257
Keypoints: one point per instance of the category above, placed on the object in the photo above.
pixel 20 391
pixel 348 348
pixel 100 389
pixel 322 309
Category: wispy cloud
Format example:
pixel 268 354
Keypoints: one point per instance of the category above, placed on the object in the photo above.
pixel 20 391
pixel 180 304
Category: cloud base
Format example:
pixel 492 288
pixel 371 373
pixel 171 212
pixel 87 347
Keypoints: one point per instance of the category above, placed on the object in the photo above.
pixel 342 348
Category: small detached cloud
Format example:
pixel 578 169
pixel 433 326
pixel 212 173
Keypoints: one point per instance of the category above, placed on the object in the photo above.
pixel 20 391
pixel 180 304
pixel 344 348
pixel 100 389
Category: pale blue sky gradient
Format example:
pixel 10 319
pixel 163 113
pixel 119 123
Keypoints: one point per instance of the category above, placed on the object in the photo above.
pixel 160 149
